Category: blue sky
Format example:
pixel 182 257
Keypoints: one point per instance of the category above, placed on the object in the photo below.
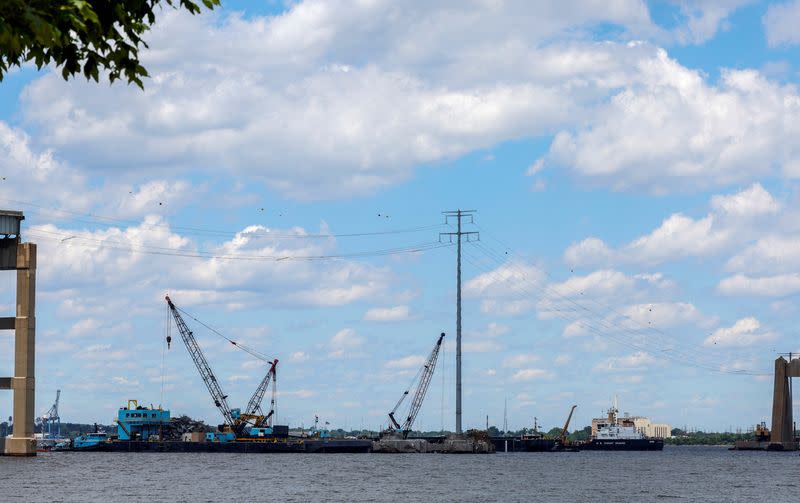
pixel 633 165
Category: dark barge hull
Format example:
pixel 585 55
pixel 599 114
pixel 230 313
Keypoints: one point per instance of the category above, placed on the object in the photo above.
pixel 638 444
pixel 516 444
pixel 305 446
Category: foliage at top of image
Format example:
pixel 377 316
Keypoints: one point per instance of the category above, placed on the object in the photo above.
pixel 82 36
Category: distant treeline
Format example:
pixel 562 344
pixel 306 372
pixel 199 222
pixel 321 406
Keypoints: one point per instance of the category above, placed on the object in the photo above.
pixel 680 437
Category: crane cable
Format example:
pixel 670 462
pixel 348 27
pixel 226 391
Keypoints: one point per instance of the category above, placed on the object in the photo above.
pixel 252 352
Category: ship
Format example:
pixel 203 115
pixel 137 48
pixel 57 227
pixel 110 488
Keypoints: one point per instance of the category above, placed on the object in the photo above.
pixel 615 434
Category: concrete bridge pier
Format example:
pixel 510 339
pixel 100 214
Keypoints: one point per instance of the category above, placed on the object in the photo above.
pixel 782 422
pixel 22 258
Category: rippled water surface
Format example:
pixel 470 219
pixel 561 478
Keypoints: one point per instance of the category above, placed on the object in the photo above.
pixel 677 473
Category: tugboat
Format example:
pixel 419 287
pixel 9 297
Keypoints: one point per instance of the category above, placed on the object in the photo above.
pixel 90 441
pixel 616 434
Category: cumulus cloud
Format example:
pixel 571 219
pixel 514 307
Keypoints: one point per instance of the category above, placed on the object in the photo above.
pixel 745 332
pixel 520 360
pixel 773 253
pixel 346 343
pixel 768 286
pixel 780 23
pixel 641 360
pixel 733 220
pixel 351 95
pixel 668 129
pixel 397 313
pixel 406 362
pixel 531 374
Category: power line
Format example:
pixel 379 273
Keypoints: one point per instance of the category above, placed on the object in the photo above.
pixel 69 239
pixel 107 221
pixel 665 338
pixel 607 327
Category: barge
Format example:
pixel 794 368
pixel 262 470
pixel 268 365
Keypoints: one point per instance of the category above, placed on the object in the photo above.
pixel 147 429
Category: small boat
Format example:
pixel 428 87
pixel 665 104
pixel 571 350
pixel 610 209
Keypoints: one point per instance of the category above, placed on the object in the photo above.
pixel 89 441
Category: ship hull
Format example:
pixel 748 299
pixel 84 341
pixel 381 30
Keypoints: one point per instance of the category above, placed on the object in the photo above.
pixel 306 446
pixel 630 444
pixel 516 444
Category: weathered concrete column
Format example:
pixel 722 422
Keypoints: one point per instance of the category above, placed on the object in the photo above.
pixel 22 442
pixel 781 405
pixel 782 420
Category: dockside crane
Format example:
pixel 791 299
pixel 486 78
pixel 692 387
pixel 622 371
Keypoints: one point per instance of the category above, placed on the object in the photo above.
pixel 210 380
pixel 51 418
pixel 424 376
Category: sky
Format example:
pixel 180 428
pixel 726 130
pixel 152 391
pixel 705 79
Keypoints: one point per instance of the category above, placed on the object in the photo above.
pixel 633 166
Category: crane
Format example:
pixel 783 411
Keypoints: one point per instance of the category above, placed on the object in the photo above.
pixel 424 375
pixel 210 380
pixel 253 411
pixel 51 418
pixel 562 438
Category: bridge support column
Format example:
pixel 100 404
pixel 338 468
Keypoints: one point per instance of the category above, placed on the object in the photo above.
pixel 22 441
pixel 782 421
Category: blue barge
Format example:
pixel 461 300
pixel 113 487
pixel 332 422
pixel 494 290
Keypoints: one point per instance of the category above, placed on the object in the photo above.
pixel 141 429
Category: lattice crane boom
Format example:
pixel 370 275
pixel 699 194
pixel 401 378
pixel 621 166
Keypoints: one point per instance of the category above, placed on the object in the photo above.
pixel 254 405
pixel 210 380
pixel 424 375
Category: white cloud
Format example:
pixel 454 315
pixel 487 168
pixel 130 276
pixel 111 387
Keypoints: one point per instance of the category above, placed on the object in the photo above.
pixel 734 218
pixel 751 202
pixel 300 393
pixel 780 23
pixel 768 286
pixel 703 18
pixel 345 343
pixel 774 253
pixel 298 357
pixel 641 360
pixel 667 129
pixel 397 313
pixel 485 341
pixel 531 374
pixel 745 332
pixel 124 381
pixel 412 361
pixel 519 360
pixel 562 359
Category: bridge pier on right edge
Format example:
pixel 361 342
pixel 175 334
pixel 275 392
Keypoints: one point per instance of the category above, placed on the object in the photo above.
pixel 782 437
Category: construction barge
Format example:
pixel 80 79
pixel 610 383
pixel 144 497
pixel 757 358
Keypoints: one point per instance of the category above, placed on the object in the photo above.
pixel 147 429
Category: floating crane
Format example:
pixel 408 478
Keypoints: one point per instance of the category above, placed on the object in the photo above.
pixel 424 375
pixel 51 418
pixel 210 380
pixel 562 438
pixel 253 411
pixel 234 419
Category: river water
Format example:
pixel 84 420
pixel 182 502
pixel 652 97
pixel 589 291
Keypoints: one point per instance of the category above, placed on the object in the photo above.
pixel 677 473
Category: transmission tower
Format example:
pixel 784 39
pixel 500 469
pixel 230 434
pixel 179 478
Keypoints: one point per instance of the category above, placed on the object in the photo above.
pixel 458 215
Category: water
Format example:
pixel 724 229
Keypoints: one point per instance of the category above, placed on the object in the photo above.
pixel 677 473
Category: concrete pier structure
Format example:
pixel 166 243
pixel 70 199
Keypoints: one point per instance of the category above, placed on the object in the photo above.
pixel 782 422
pixel 22 258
